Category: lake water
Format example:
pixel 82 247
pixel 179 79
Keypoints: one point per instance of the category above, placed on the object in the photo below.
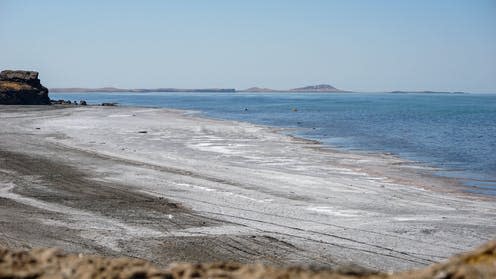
pixel 456 133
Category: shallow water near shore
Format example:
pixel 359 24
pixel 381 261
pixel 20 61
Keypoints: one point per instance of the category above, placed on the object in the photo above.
pixel 453 133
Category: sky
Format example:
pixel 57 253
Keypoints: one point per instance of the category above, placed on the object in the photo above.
pixel 353 45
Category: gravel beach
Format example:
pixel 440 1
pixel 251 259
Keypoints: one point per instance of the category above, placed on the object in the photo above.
pixel 169 186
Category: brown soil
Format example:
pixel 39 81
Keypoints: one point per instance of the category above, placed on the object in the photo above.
pixel 12 85
pixel 52 263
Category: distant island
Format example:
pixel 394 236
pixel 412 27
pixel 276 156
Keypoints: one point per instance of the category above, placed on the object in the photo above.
pixel 113 89
pixel 319 88
pixel 312 88
pixel 426 92
pixel 259 89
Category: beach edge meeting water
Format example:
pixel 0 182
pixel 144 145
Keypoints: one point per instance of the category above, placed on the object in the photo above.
pixel 452 134
pixel 168 186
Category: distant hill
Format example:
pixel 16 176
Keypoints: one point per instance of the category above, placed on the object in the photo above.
pixel 317 88
pixel 311 88
pixel 259 89
pixel 81 89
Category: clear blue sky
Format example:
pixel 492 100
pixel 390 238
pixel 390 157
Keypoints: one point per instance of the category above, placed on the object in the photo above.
pixel 355 45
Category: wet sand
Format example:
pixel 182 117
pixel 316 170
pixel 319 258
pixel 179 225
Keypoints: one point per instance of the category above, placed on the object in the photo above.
pixel 168 186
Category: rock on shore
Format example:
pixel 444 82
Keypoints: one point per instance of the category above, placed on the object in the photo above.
pixel 22 88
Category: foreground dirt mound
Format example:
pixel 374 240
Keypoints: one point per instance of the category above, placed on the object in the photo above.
pixel 52 263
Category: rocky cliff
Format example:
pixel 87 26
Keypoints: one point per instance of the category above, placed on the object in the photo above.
pixel 22 88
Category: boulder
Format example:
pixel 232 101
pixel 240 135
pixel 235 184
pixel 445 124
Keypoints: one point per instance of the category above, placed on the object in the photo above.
pixel 22 88
pixel 60 102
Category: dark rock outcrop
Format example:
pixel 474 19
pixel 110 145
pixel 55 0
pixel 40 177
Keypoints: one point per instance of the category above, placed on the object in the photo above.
pixel 22 88
pixel 61 102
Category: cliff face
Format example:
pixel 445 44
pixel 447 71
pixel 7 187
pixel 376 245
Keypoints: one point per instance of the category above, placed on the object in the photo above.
pixel 22 88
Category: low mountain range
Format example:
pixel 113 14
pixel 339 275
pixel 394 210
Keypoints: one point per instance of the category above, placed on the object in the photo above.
pixel 113 89
pixel 312 88
pixel 258 89
pixel 323 88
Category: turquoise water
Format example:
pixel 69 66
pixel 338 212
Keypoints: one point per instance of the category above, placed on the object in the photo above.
pixel 456 133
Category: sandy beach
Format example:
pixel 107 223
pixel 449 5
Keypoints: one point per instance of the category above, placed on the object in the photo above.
pixel 170 186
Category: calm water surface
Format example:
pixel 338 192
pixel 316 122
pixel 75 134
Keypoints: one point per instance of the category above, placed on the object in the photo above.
pixel 456 133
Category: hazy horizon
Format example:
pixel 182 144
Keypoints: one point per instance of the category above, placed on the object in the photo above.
pixel 367 46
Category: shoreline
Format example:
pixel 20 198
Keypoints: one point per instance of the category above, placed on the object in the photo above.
pixel 207 189
pixel 449 184
pixel 419 169
pixel 463 177
pixel 415 168
pixel 422 169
